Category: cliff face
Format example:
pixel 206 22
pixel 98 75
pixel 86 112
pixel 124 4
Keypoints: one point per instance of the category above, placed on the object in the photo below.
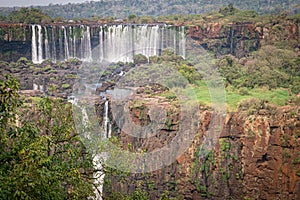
pixel 257 157
pixel 241 38
pixel 235 39
pixel 221 38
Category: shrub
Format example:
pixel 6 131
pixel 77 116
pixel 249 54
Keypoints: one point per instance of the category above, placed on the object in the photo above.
pixel 65 86
pixel 140 59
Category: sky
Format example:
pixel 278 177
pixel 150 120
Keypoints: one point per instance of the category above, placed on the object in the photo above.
pixel 12 3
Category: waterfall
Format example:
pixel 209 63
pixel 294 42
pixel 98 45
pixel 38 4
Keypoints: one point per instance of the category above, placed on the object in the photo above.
pixel 97 158
pixel 40 44
pixel 37 44
pixel 35 86
pixel 174 42
pixel 53 49
pixel 112 43
pixel 34 46
pixel 107 125
pixel 101 54
pixel 66 44
pixel 74 44
pixel 87 49
pixel 99 175
pixel 182 43
pixel 71 42
pixel 47 52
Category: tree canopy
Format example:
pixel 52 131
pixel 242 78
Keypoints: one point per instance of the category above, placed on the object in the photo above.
pixel 41 155
pixel 28 16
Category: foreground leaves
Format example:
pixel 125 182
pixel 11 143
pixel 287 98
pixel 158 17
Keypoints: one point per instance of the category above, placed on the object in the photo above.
pixel 41 157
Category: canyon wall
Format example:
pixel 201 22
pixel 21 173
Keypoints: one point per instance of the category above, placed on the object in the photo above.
pixel 89 42
pixel 257 156
pixel 63 41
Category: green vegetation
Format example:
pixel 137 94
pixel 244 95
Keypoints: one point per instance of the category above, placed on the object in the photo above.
pixel 40 153
pixel 136 195
pixel 65 86
pixel 28 16
pixel 131 10
pixel 270 74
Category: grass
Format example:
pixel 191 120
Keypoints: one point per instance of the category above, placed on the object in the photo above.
pixel 277 96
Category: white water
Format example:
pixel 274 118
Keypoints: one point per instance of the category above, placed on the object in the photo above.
pixel 37 44
pixel 38 87
pixel 97 159
pixel 66 44
pixel 40 44
pixel 47 52
pixel 86 46
pixel 115 42
pixel 107 125
pixel 34 45
pixel 99 175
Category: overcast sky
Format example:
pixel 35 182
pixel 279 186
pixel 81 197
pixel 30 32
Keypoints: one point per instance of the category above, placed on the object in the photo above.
pixel 11 3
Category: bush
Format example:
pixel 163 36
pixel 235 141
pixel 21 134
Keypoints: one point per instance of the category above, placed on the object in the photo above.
pixel 140 59
pixel 243 91
pixel 252 106
pixel 65 86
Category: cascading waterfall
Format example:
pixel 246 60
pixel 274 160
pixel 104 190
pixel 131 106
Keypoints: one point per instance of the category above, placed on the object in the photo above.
pixel 99 174
pixel 37 44
pixel 111 43
pixel 47 52
pixel 101 53
pixel 34 53
pixel 87 49
pixel 53 50
pixel 182 43
pixel 66 44
pixel 40 44
pixel 103 43
pixel 107 125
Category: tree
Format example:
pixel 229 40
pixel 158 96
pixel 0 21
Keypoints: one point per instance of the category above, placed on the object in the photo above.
pixel 41 156
pixel 28 16
pixel 228 10
pixel 132 18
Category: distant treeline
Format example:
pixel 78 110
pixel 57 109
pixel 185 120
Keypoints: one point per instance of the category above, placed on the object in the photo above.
pixel 224 15
pixel 123 8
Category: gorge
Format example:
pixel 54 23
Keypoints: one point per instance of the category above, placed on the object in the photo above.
pixel 99 42
pixel 257 152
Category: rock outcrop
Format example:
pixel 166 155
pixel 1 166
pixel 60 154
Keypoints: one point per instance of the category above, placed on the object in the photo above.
pixel 256 157
pixel 221 38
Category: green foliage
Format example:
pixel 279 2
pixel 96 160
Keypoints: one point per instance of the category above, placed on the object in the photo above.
pixel 2 18
pixel 269 67
pixel 65 86
pixel 136 195
pixel 140 59
pixel 9 101
pixel 253 105
pixel 190 73
pixel 132 18
pixel 243 16
pixel 28 16
pixel 228 10
pixel 121 9
pixel 272 67
pixel 40 154
pixel 231 70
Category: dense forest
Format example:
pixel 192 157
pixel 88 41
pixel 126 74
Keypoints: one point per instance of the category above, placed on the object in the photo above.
pixel 123 8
